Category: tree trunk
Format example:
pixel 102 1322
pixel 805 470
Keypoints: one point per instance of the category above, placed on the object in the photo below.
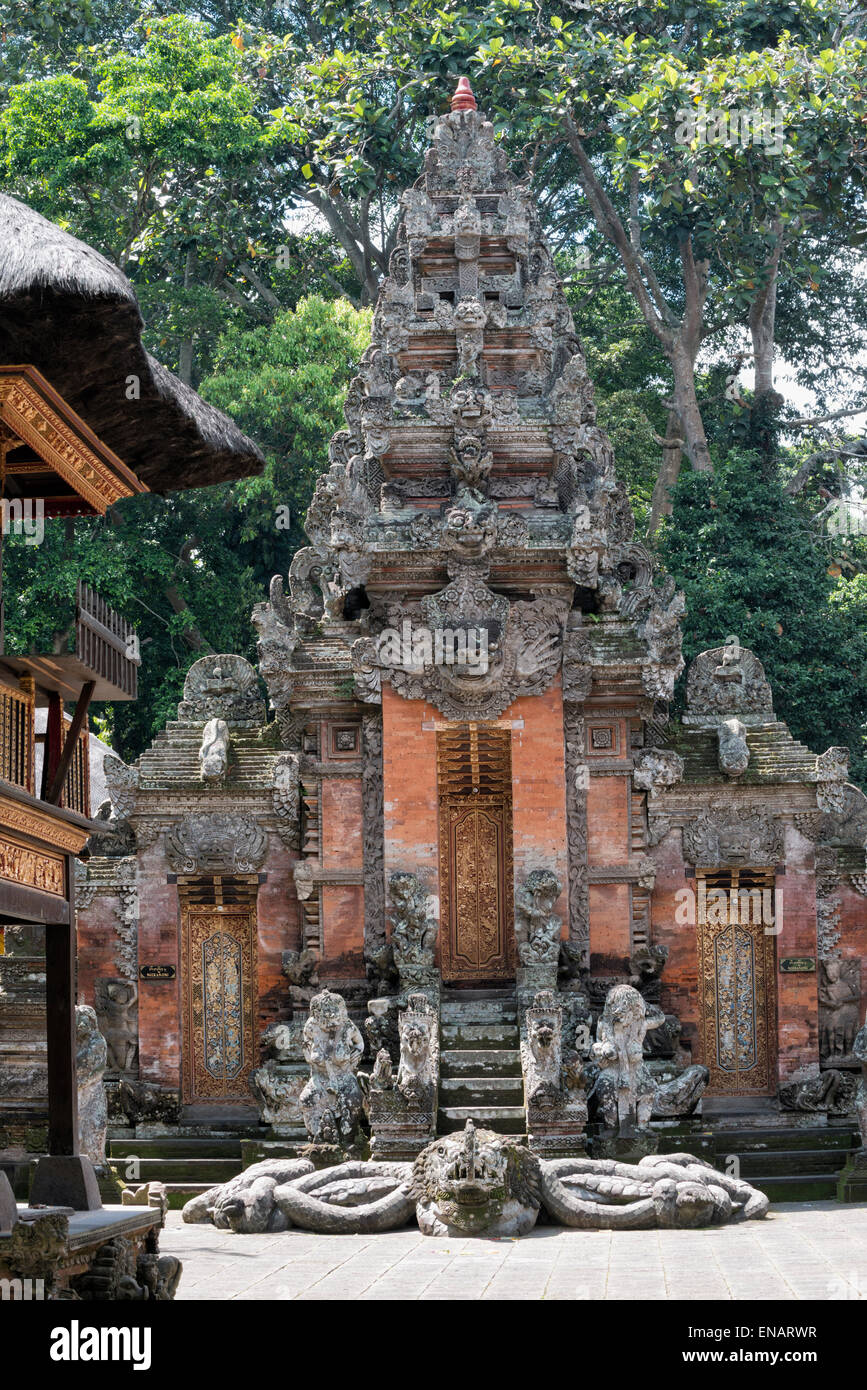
pixel 688 410
pixel 669 470
pixel 185 352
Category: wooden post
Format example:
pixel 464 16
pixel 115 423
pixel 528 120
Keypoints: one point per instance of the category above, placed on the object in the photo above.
pixel 56 785
pixel 53 741
pixel 60 991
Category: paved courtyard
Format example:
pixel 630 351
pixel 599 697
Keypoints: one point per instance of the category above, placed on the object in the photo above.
pixel 816 1250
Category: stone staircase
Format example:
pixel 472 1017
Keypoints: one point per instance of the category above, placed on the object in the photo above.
pixel 187 1166
pixel 787 1164
pixel 480 1062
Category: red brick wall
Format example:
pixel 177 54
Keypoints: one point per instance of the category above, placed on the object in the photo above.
pixel 539 789
pixel 279 929
pixel 159 1009
pixel 409 771
pixel 797 1003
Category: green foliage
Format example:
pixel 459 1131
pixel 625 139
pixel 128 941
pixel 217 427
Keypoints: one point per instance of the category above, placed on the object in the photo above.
pixel 187 569
pixel 741 550
pixel 285 384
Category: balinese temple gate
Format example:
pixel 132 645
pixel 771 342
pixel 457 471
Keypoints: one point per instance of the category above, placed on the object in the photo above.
pixel 471 794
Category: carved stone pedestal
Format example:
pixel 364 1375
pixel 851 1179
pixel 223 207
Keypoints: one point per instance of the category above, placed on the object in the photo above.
pixel 625 1148
pixel 562 1139
pixel 852 1182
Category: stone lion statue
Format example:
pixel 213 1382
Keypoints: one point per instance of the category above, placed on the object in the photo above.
pixel 476 1181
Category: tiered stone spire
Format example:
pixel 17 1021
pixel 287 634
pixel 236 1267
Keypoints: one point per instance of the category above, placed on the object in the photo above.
pixel 472 486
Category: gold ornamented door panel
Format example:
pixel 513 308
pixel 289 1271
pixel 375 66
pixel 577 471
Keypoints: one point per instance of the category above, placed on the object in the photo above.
pixel 737 965
pixel 475 810
pixel 218 986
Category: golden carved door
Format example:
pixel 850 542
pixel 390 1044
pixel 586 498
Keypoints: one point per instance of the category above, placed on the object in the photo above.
pixel 218 990
pixel 737 965
pixel 475 811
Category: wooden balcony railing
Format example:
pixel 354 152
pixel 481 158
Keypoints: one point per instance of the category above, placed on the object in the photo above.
pixel 105 642
pixel 76 788
pixel 16 737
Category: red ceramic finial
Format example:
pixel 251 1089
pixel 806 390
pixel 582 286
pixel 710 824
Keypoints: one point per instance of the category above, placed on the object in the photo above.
pixel 463 99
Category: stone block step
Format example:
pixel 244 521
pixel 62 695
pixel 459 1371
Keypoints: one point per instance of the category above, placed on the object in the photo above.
pixel 490 1061
pixel 787 1140
pixel 478 1011
pixel 179 1193
pixel 795 1163
pixel 168 1146
pixel 504 992
pixel 478 1035
pixel 482 1090
pixel 505 1119
pixel 177 1170
pixel 816 1187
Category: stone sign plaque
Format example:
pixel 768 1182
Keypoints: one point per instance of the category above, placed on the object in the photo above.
pixel 157 972
pixel 797 965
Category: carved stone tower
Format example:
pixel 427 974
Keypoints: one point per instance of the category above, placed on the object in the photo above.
pixel 472 647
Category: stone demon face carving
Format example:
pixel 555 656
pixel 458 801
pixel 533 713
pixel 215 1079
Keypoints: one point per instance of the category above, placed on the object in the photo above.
pixel 476 1181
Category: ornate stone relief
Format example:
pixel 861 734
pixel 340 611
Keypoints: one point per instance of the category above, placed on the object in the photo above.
pixel 122 784
pixel 223 687
pixel 203 844
pixel 576 954
pixel 373 834
pixel 413 931
pixel 735 835
pixel 726 681
pixel 286 797
pixel 331 1101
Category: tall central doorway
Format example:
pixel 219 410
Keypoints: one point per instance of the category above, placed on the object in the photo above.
pixel 474 784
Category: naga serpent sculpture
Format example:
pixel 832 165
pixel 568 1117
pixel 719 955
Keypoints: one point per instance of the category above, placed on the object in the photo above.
pixel 477 1182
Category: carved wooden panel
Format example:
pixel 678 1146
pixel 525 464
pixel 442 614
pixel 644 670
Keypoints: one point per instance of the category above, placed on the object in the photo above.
pixel 737 981
pixel 475 806
pixel 218 986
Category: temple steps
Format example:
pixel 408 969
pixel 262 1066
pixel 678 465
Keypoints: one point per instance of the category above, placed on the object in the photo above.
pixel 788 1164
pixel 478 1036
pixel 489 1061
pixel 505 1119
pixel 480 1061
pixel 481 1090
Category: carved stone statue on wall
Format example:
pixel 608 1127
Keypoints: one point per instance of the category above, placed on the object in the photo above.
pixel 222 686
pixel 402 1109
pixel 624 1087
pixel 214 750
pixel 115 1001
pixel 413 932
pixel 278 1084
pixel 538 930
pixel 331 1100
pixel 554 1080
pixel 839 1008
pixel 90 1059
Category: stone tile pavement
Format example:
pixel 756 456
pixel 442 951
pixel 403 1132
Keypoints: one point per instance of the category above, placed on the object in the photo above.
pixel 814 1250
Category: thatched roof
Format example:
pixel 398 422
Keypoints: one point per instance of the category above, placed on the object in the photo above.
pixel 68 311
